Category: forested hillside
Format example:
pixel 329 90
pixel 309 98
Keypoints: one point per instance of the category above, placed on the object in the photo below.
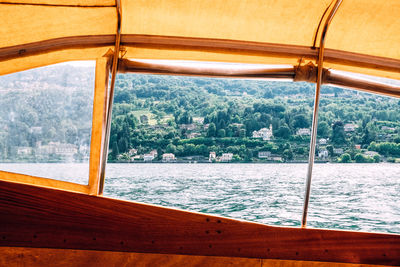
pixel 42 106
pixel 195 116
pixel 247 120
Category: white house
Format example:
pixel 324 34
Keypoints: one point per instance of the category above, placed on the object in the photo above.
pixel 132 151
pixel 168 157
pixel 371 154
pixel 322 141
pixel 136 158
pixel 189 127
pixel 264 154
pixel 193 135
pixel 24 150
pixel 264 133
pixel 338 151
pixel 62 149
pixel 199 120
pixel 304 131
pixel 148 157
pixel 350 127
pixel 276 158
pixel 212 157
pixel 323 154
pixel 154 153
pixel 386 128
pixel 226 157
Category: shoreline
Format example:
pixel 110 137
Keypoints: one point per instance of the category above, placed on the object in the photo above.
pixel 199 162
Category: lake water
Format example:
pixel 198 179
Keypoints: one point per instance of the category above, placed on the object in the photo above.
pixel 361 197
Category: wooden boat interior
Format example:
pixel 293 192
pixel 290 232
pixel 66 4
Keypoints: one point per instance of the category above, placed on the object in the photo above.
pixel 46 222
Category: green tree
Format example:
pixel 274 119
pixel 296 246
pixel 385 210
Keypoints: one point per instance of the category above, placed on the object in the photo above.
pixel 283 132
pixel 330 149
pixel 170 149
pixel 369 134
pixel 377 158
pixel 338 134
pixel 323 129
pixel 221 133
pixel 345 158
pixel 242 133
pixel 114 150
pixel 211 130
pixel 359 158
pixel 288 154
pixel 123 145
pixel 300 121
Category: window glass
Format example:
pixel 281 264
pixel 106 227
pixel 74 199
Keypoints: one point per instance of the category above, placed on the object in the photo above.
pixel 45 121
pixel 236 148
pixel 359 139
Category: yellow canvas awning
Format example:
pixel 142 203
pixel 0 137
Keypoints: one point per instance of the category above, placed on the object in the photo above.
pixel 363 37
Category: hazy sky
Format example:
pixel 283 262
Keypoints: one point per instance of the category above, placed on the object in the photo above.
pixel 88 63
pixel 92 63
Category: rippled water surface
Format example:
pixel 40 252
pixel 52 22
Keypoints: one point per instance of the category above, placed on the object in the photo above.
pixel 363 197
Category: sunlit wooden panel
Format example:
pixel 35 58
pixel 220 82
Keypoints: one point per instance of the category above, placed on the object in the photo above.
pixel 98 123
pixel 31 23
pixel 23 256
pixel 43 59
pixel 27 179
pixel 63 2
pixel 77 221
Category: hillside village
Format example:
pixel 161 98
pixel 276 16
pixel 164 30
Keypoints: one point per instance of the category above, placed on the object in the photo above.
pixel 326 152
pixel 182 119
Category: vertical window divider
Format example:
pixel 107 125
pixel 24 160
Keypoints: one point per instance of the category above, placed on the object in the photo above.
pixel 99 120
pixel 315 112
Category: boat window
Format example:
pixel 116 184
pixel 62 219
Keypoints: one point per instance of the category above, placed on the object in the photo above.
pixel 236 148
pixel 45 121
pixel 359 139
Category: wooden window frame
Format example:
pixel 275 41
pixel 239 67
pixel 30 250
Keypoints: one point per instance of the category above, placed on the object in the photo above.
pixel 100 100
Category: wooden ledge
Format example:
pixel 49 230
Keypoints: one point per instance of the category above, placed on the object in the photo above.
pixel 33 216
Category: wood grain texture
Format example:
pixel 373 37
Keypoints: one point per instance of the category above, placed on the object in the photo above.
pixel 22 256
pixel 62 257
pixel 296 51
pixel 32 216
pixel 98 123
pixel 201 44
pixel 55 44
pixel 28 179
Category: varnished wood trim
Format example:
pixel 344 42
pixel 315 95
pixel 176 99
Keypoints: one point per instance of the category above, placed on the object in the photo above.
pixel 98 122
pixel 202 44
pixel 331 55
pixel 110 100
pixel 27 179
pixel 23 256
pixel 305 73
pixel 361 60
pixel 46 46
pixel 351 82
pixel 207 70
pixel 51 5
pixel 217 44
pixel 33 216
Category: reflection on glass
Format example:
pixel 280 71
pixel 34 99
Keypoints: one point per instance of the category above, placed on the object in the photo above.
pixel 359 134
pixel 46 117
